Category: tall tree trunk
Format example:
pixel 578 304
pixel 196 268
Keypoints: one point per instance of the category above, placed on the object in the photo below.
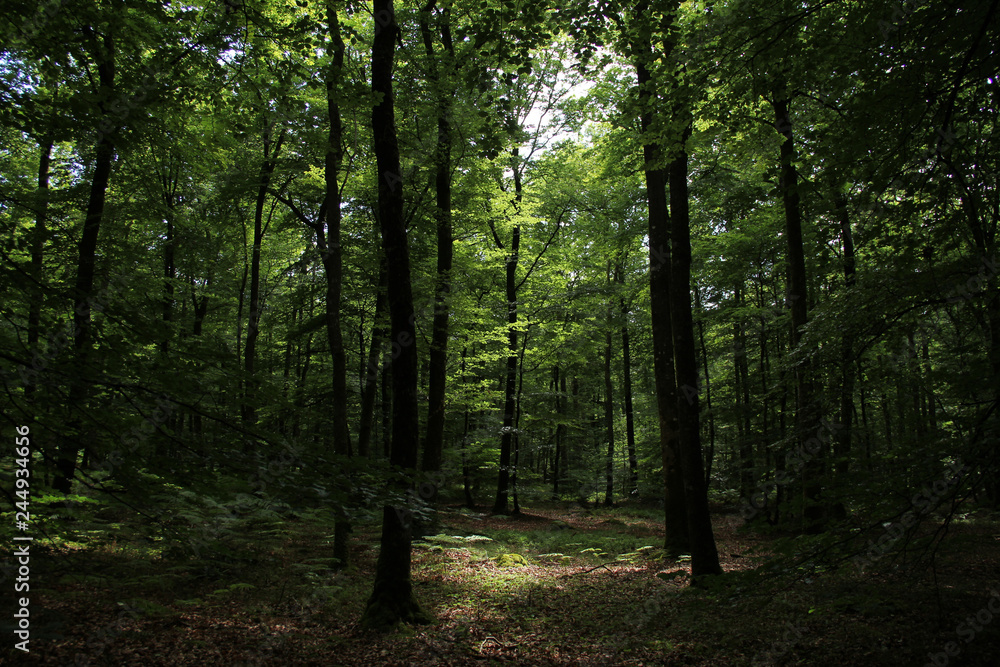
pixel 704 556
pixel 559 391
pixel 438 369
pixel 609 410
pixel 83 293
pixel 500 505
pixel 267 167
pixel 744 426
pixel 633 465
pixel 466 471
pixel 517 426
pixel 842 441
pixel 675 513
pixel 806 420
pixel 710 455
pixel 332 255
pixel 379 334
pixel 392 599
pixel 38 250
pixel 386 398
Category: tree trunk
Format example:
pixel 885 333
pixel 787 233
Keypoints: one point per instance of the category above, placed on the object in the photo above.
pixel 438 369
pixel 559 462
pixel 379 334
pixel 609 409
pixel 704 556
pixel 267 167
pixel 500 505
pixel 743 400
pixel 392 599
pixel 710 456
pixel 466 471
pixel 332 256
pixel 517 426
pixel 633 465
pixel 842 442
pixel 83 293
pixel 675 519
pixel 806 421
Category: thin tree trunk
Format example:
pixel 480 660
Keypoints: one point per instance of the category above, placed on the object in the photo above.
pixel 806 420
pixel 379 334
pixel 332 255
pixel 609 412
pixel 517 426
pixel 633 465
pixel 559 462
pixel 267 167
pixel 842 442
pixel 710 456
pixel 500 505
pixel 38 250
pixel 466 471
pixel 438 369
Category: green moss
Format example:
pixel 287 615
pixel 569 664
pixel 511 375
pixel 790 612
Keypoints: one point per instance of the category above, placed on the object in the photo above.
pixel 511 560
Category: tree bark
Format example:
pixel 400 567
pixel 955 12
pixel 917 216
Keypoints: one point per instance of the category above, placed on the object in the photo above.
pixel 392 599
pixel 633 466
pixel 438 365
pixel 332 256
pixel 842 442
pixel 609 420
pixel 267 167
pixel 500 505
pixel 805 418
pixel 83 293
pixel 676 539
pixel 379 334
pixel 704 555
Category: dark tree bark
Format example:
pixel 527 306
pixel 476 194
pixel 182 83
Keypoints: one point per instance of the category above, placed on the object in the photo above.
pixel 501 505
pixel 38 249
pixel 379 334
pixel 710 455
pixel 558 466
pixel 517 426
pixel 806 420
pixel 438 365
pixel 466 471
pixel 609 409
pixel 633 465
pixel 267 167
pixel 742 386
pixel 83 293
pixel 704 556
pixel 842 441
pixel 392 599
pixel 675 519
pixel 332 256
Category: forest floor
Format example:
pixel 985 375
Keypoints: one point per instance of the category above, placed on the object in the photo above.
pixel 585 591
